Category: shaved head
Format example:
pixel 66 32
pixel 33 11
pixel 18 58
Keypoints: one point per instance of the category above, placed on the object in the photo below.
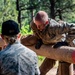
pixel 41 16
pixel 41 20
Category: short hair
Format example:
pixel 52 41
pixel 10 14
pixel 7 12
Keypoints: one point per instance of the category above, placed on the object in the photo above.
pixel 41 16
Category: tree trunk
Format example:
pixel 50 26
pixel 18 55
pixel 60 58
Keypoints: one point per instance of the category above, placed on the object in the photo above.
pixel 65 68
pixel 52 2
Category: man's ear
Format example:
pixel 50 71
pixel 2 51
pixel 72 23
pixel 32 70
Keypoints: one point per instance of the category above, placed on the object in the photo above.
pixel 2 36
pixel 47 22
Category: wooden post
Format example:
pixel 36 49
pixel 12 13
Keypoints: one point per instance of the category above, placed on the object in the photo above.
pixel 46 66
pixel 71 69
pixel 65 68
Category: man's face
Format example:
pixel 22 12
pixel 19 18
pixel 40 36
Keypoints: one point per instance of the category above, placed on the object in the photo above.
pixel 40 25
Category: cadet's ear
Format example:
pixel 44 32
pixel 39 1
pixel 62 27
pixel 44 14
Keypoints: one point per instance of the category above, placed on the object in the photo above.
pixel 47 22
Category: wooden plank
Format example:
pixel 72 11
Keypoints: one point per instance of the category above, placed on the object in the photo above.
pixel 63 53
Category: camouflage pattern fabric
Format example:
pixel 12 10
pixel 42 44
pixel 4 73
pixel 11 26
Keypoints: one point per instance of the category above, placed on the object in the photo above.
pixel 17 59
pixel 54 31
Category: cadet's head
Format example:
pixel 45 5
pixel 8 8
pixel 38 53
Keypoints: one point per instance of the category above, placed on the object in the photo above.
pixel 41 20
pixel 10 31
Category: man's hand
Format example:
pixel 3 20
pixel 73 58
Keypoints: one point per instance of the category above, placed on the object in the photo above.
pixel 38 44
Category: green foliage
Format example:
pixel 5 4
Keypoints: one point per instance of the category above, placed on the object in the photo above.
pixel 70 17
pixel 25 30
pixel 41 59
pixel 66 7
pixel 9 10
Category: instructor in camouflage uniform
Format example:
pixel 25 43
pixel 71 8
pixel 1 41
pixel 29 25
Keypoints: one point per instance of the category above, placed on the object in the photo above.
pixel 16 59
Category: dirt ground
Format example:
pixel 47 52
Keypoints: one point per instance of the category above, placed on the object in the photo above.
pixel 53 71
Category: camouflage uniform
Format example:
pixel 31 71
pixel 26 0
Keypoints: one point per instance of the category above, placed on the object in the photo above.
pixel 56 34
pixel 16 59
pixel 54 31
